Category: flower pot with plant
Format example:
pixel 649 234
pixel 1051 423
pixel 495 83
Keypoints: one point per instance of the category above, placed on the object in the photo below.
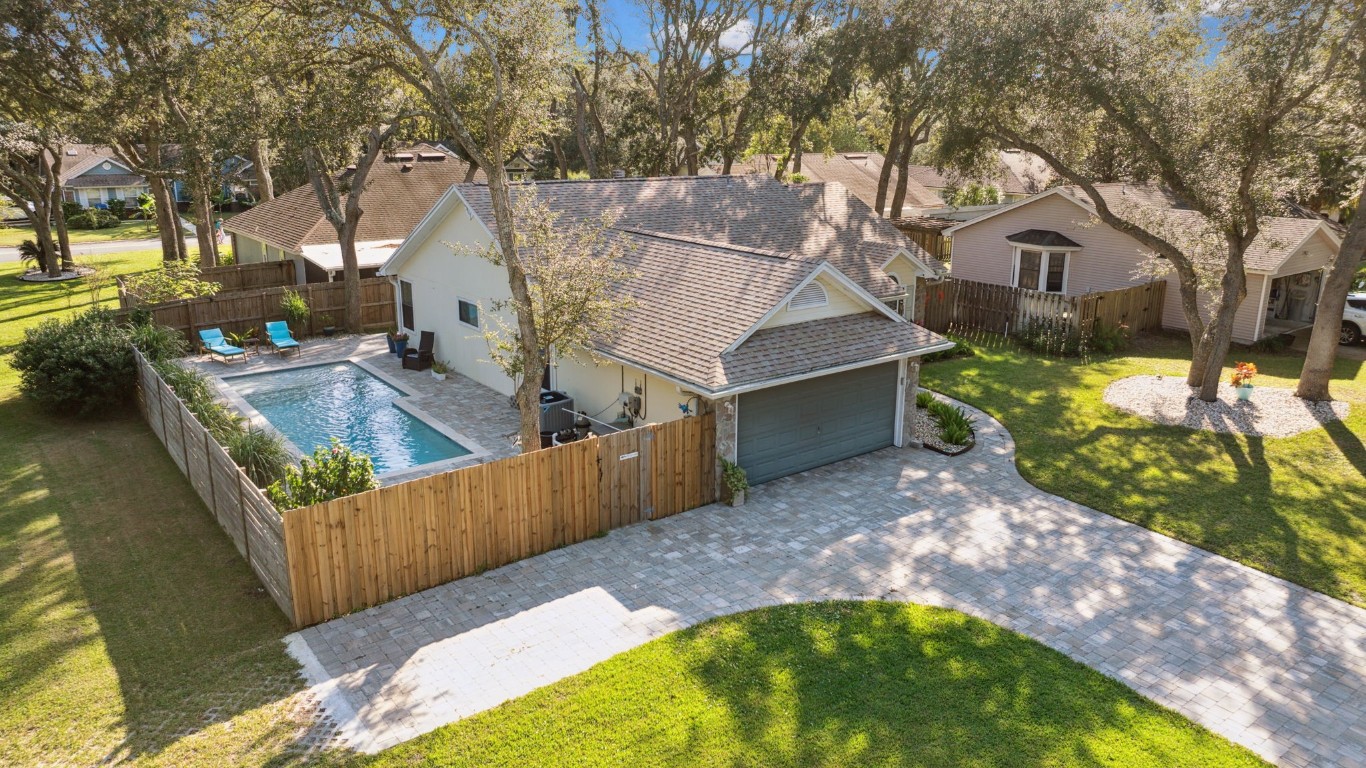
pixel 734 482
pixel 1242 380
pixel 439 370
pixel 328 328
pixel 400 344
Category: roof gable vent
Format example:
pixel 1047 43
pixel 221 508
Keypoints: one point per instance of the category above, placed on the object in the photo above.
pixel 810 297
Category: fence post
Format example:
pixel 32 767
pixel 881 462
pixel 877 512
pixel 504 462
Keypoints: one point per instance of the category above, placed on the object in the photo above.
pixel 242 512
pixel 208 465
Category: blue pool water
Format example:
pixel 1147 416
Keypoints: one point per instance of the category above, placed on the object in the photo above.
pixel 312 404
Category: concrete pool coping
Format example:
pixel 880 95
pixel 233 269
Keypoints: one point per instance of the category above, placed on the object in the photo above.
pixel 478 454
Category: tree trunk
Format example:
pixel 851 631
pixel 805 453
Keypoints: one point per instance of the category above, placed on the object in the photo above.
pixel 166 220
pixel 351 271
pixel 177 224
pixel 203 223
pixel 260 161
pixel 888 162
pixel 63 240
pixel 1218 334
pixel 903 164
pixel 1323 341
pixel 590 160
pixel 42 237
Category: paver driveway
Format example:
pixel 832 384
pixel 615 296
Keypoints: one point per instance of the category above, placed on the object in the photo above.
pixel 1268 664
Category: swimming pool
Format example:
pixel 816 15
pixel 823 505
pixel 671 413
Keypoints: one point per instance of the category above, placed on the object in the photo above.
pixel 311 404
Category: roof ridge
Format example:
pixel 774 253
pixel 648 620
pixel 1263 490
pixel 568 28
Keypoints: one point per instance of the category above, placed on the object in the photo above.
pixel 707 243
pixel 627 179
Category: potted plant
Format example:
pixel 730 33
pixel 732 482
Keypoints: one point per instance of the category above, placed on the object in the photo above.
pixel 389 337
pixel 1242 379
pixel 734 482
pixel 328 328
pixel 400 340
pixel 243 339
pixel 439 370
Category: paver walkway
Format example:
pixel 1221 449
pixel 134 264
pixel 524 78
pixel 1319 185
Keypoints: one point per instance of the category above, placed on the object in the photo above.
pixel 1270 665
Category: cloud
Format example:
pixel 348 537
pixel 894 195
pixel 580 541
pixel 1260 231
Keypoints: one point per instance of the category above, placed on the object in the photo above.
pixel 738 36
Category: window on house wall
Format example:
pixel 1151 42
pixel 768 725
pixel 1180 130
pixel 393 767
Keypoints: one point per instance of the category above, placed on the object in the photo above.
pixel 1041 270
pixel 898 305
pixel 405 291
pixel 468 313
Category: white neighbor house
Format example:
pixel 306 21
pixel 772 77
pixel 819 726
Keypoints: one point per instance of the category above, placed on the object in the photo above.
pixel 774 306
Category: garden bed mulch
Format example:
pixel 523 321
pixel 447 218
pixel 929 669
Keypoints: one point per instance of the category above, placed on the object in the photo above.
pixel 1272 411
pixel 927 432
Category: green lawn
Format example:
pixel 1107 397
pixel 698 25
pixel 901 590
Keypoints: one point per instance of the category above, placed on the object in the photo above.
pixel 828 684
pixel 128 230
pixel 25 304
pixel 1293 507
pixel 129 625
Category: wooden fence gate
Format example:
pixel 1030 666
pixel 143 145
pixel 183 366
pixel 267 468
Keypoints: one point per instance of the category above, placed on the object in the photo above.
pixel 362 550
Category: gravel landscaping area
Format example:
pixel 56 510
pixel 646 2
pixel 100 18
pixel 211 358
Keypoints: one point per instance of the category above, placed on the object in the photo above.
pixel 1272 412
pixel 927 432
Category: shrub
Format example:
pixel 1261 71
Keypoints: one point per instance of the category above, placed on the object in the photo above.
pixel 71 208
pixel 1050 336
pixel 147 207
pixel 260 453
pixel 157 342
pixel 31 254
pixel 331 473
pixel 82 365
pixel 93 218
pixel 296 310
pixel 189 385
pixel 961 348
pixel 1109 339
pixel 798 178
pixel 168 282
pixel 956 434
pixel 923 398
pixel 118 208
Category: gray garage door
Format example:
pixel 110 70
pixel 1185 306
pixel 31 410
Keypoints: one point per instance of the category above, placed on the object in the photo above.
pixel 811 423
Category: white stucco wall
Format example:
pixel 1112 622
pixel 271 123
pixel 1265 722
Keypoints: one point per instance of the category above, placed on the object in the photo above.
pixel 440 278
pixel 596 386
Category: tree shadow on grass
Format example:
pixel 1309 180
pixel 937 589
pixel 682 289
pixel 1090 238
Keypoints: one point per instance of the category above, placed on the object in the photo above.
pixel 884 684
pixel 112 531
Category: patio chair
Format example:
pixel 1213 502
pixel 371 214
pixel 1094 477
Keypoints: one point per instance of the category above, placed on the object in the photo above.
pixel 280 338
pixel 420 359
pixel 211 341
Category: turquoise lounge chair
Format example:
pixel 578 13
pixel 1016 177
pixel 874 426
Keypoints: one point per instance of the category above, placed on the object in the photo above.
pixel 280 337
pixel 211 341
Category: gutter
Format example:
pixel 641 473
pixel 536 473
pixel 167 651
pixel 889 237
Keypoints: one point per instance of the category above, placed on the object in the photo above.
pixel 712 394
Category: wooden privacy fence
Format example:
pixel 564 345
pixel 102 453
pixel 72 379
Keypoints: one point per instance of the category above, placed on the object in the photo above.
pixel 240 311
pixel 362 550
pixel 970 305
pixel 241 509
pixel 231 278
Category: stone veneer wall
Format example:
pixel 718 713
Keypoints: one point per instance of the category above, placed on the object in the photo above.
pixel 908 438
pixel 727 432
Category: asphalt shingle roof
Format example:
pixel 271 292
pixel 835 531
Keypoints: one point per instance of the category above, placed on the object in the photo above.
pixel 812 221
pixel 397 196
pixel 1274 244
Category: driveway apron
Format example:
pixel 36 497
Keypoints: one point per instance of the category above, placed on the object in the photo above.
pixel 1270 665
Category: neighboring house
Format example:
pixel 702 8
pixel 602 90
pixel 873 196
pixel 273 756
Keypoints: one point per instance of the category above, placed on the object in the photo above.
pixel 774 306
pixel 1053 242
pixel 92 176
pixel 857 171
pixel 401 188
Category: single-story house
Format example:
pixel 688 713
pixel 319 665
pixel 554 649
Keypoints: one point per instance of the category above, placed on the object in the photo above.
pixel 92 175
pixel 401 188
pixel 1053 242
pixel 782 309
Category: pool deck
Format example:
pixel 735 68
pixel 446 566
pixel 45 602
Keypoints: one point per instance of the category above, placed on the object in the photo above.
pixel 469 412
